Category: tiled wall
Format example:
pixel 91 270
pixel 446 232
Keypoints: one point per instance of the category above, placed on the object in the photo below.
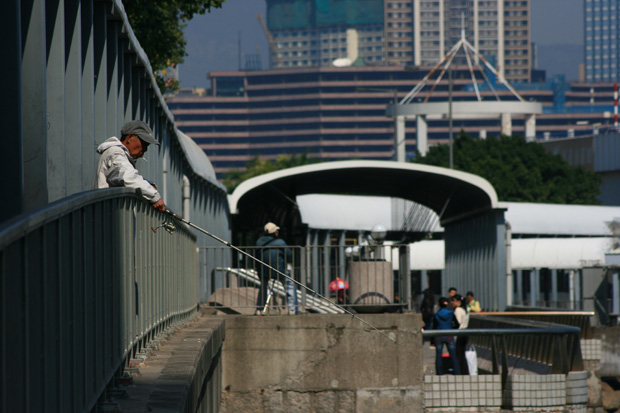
pixel 462 391
pixel 591 349
pixel 532 393
pixel 577 387
pixel 535 391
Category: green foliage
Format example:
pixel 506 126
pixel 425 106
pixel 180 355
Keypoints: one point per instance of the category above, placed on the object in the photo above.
pixel 519 171
pixel 258 166
pixel 158 25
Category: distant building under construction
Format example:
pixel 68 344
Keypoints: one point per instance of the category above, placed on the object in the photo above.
pixel 319 33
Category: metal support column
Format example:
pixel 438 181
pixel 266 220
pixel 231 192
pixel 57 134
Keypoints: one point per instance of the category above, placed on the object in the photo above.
pixel 11 164
pixel 34 107
pixel 326 262
pixel 518 292
pixel 506 124
pixel 421 134
pixel 424 279
pixel 534 286
pixel 554 288
pixel 615 293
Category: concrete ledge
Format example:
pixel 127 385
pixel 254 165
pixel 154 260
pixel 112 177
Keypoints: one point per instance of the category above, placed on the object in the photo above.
pixel 184 374
pixel 322 363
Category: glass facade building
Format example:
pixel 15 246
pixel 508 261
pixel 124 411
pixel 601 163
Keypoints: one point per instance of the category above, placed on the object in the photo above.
pixel 602 40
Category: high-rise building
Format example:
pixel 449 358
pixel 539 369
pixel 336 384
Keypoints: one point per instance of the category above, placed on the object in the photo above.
pixel 315 33
pixel 602 42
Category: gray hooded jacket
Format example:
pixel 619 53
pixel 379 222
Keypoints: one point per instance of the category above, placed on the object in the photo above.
pixel 117 168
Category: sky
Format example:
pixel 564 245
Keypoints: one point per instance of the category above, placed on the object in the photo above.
pixel 213 39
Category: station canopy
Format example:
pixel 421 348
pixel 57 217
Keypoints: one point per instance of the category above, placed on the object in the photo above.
pixel 452 195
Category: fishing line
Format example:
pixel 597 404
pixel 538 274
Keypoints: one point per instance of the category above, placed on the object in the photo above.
pixel 228 244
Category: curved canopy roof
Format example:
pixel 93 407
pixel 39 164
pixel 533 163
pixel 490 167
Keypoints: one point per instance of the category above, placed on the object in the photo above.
pixel 451 194
pixel 198 160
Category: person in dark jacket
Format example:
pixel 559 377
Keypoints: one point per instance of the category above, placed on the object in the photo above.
pixel 427 309
pixel 443 320
pixel 274 252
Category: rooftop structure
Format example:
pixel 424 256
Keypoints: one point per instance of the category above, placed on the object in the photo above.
pixel 339 113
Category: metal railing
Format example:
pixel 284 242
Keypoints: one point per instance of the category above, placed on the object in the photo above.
pixel 555 345
pixel 543 348
pixel 373 284
pixel 85 284
pixel 579 319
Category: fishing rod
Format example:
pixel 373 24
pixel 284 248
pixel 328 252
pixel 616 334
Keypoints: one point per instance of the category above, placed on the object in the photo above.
pixel 170 228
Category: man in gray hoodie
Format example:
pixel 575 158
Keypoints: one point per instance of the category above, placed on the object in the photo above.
pixel 117 168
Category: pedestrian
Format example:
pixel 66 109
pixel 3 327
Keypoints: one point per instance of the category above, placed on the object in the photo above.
pixel 275 252
pixel 461 342
pixel 427 309
pixel 473 306
pixel 451 293
pixel 117 164
pixel 443 320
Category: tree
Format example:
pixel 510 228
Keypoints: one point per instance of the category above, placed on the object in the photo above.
pixel 519 171
pixel 258 166
pixel 158 25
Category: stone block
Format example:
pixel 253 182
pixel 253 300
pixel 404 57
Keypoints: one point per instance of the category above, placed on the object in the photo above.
pixel 296 402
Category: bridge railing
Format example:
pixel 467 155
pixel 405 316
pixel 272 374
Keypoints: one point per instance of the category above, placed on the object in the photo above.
pixel 84 285
pixel 553 344
pixel 372 283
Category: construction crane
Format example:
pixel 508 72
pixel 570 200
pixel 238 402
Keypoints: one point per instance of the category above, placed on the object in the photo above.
pixel 275 58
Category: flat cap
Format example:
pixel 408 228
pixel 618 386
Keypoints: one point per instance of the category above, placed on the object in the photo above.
pixel 140 129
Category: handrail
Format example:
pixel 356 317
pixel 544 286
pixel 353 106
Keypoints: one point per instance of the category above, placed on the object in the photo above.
pixel 85 282
pixel 565 355
pixel 501 332
pixel 28 221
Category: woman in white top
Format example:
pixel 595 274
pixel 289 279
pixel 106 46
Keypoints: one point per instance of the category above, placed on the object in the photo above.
pixel 461 342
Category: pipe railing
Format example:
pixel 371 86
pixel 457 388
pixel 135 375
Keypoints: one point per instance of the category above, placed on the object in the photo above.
pixel 85 285
pixel 557 346
pixel 579 319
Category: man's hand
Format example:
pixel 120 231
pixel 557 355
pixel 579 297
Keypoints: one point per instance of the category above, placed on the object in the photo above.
pixel 160 206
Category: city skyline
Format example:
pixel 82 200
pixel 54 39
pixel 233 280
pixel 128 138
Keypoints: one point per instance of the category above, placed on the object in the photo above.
pixel 213 39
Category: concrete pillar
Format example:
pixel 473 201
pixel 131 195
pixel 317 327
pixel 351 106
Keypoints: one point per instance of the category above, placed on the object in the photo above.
pixel 422 134
pixel 506 124
pixel 399 139
pixel 530 128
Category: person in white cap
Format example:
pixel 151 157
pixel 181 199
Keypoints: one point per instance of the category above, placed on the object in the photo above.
pixel 117 165
pixel 275 252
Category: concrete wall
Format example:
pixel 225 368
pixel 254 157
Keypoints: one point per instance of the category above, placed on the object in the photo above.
pixel 609 354
pixel 327 363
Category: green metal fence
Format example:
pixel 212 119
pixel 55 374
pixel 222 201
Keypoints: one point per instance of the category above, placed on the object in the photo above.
pixel 84 285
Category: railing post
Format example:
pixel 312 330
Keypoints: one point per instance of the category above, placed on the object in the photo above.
pixel 504 362
pixel 304 274
pixel 494 351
